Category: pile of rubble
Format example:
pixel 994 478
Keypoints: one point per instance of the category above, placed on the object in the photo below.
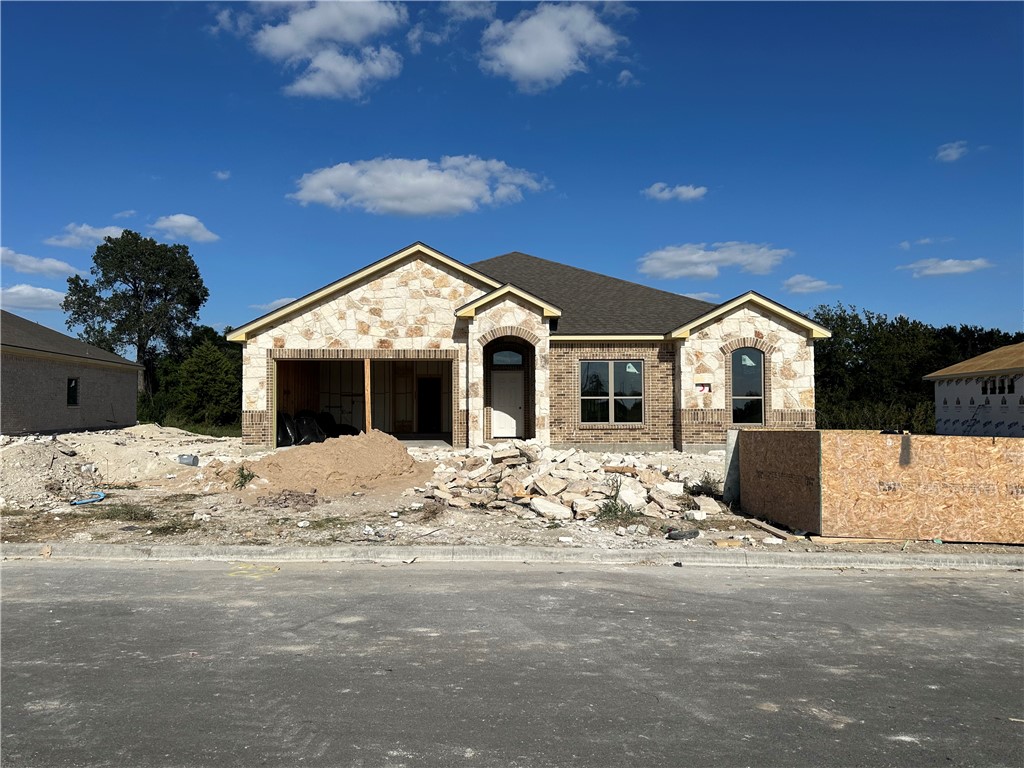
pixel 533 481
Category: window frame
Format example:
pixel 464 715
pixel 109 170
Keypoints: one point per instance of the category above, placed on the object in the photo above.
pixel 733 397
pixel 610 398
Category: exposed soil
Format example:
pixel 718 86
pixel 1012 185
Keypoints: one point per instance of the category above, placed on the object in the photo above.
pixel 366 490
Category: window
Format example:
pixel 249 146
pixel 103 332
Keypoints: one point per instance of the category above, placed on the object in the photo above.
pixel 72 391
pixel 747 386
pixel 611 392
pixel 507 357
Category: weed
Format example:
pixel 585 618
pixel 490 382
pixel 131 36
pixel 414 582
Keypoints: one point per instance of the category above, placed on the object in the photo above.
pixel 244 476
pixel 174 527
pixel 613 510
pixel 326 522
pixel 708 485
pixel 127 511
pixel 176 498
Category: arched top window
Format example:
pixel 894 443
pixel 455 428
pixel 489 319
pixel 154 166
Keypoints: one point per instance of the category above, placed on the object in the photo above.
pixel 506 357
pixel 748 386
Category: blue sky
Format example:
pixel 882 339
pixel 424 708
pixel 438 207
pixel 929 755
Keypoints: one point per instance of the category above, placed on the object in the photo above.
pixel 869 154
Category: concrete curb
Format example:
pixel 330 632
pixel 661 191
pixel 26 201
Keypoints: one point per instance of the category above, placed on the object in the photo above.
pixel 732 558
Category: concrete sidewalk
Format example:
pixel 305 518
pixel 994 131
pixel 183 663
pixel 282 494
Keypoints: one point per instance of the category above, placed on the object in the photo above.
pixel 731 558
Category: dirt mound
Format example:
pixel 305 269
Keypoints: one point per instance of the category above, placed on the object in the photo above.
pixel 35 472
pixel 335 467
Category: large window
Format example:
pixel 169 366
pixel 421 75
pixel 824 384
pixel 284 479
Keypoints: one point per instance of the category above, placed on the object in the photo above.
pixel 611 391
pixel 747 386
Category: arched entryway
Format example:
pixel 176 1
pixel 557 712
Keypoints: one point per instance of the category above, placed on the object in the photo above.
pixel 509 387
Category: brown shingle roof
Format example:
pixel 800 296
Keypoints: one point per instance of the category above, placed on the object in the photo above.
pixel 1008 359
pixel 17 333
pixel 591 303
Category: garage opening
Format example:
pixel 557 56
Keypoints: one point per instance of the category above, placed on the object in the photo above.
pixel 410 399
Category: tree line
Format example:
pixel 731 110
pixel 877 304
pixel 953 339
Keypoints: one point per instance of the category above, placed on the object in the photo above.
pixel 869 375
pixel 146 296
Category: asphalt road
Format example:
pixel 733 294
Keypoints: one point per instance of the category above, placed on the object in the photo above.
pixel 215 664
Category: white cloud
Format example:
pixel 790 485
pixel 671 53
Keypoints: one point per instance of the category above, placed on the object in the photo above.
pixel 702 296
pixel 697 260
pixel 83 236
pixel 333 74
pixel 329 39
pixel 313 28
pixel 457 13
pixel 125 214
pixel 222 175
pixel 454 185
pixel 807 284
pixel 272 305
pixel 184 226
pixel 23 296
pixel 951 152
pixel 933 267
pixel 906 245
pixel 685 192
pixel 627 79
pixel 232 23
pixel 540 48
pixel 32 265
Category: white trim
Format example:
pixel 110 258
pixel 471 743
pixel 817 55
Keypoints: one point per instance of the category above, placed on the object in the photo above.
pixel 244 332
pixel 609 337
pixel 814 330
pixel 469 310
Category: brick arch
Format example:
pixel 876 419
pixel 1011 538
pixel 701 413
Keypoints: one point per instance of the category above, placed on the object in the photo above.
pixel 509 330
pixel 768 414
pixel 747 341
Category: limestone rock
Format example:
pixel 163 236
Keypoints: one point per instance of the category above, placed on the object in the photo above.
pixel 550 509
pixel 549 485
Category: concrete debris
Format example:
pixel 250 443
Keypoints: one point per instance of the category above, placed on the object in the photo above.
pixel 535 481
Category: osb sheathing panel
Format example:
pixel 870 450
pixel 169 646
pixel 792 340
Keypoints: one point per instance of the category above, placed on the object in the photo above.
pixel 779 477
pixel 922 486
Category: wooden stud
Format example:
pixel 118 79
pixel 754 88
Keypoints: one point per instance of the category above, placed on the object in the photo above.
pixel 368 405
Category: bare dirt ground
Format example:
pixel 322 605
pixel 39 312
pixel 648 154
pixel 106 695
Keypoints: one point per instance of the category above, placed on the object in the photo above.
pixel 367 490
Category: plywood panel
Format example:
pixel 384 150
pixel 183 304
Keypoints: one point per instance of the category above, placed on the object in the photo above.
pixel 779 477
pixel 922 486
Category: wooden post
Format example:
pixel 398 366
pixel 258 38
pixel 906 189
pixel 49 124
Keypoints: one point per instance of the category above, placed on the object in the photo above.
pixel 368 405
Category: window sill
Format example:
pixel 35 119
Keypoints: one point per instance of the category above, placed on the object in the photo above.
pixel 610 425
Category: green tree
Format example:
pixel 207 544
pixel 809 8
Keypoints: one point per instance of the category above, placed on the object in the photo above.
pixel 143 294
pixel 208 389
pixel 870 374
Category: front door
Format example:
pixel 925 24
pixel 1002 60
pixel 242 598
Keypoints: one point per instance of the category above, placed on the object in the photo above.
pixel 507 404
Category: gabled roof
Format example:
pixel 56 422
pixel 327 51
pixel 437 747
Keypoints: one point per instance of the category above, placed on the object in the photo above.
pixel 1001 361
pixel 814 330
pixel 591 303
pixel 20 335
pixel 243 332
pixel 469 310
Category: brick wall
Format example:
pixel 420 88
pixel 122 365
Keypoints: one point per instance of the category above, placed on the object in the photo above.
pixel 658 427
pixel 34 395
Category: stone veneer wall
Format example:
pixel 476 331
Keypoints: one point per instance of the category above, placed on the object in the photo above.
pixel 659 394
pixel 508 317
pixel 706 358
pixel 392 315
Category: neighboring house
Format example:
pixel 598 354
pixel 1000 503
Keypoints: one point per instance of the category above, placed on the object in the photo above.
pixel 50 382
pixel 516 346
pixel 982 396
